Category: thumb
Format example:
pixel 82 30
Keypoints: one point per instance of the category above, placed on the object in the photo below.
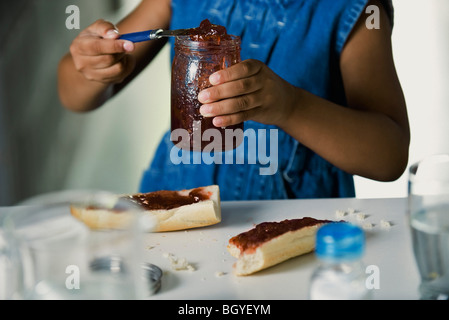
pixel 111 34
pixel 105 29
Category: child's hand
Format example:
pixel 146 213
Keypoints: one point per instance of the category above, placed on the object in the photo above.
pixel 99 56
pixel 245 91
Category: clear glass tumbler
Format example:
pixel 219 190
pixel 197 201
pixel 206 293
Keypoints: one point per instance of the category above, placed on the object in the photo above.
pixel 54 255
pixel 428 202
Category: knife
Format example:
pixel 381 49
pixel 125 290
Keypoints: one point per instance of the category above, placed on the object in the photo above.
pixel 153 34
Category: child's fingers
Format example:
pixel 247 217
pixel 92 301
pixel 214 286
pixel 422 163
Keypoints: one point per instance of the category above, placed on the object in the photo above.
pixel 230 89
pixel 240 70
pixel 234 105
pixel 235 118
pixel 105 60
pixel 83 63
pixel 92 46
pixel 114 73
pixel 104 29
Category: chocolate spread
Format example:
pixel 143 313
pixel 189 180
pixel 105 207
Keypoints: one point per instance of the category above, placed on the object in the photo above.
pixel 266 231
pixel 165 200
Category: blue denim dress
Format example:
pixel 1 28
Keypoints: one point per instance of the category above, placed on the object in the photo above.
pixel 300 40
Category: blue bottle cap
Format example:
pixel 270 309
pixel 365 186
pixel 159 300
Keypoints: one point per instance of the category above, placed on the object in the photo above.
pixel 339 241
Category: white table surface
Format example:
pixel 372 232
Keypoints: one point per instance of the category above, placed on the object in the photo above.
pixel 205 248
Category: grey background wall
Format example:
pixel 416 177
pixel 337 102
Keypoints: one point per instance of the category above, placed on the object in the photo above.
pixel 44 148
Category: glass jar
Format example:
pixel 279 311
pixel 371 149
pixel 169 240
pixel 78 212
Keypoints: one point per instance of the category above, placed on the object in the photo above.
pixel 193 63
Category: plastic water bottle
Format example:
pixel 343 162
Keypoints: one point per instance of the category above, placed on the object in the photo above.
pixel 341 272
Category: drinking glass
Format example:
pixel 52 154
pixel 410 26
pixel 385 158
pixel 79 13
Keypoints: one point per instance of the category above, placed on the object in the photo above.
pixel 428 202
pixel 54 255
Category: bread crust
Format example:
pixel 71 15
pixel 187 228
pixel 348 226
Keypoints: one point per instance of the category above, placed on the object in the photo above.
pixel 274 250
pixel 195 215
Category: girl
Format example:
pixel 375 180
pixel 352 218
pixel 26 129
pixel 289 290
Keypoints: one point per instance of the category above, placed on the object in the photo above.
pixel 313 69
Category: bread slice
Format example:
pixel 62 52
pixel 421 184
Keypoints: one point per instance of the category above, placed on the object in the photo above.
pixel 170 210
pixel 270 243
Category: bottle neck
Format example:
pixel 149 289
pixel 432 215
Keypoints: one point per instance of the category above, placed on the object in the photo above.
pixel 346 264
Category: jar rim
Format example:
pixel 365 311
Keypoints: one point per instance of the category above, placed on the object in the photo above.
pixel 185 41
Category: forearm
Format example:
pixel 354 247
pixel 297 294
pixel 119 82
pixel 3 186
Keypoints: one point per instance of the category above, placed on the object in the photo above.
pixel 365 143
pixel 99 64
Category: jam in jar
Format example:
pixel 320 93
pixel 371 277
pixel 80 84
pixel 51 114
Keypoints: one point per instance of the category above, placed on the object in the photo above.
pixel 205 50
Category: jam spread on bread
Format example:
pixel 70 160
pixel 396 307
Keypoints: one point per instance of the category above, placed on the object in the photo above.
pixel 266 231
pixel 165 200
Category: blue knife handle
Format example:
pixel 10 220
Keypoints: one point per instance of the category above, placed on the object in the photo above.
pixel 139 36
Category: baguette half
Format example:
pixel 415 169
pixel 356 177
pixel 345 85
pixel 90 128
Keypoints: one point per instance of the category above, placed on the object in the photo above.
pixel 204 212
pixel 270 243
